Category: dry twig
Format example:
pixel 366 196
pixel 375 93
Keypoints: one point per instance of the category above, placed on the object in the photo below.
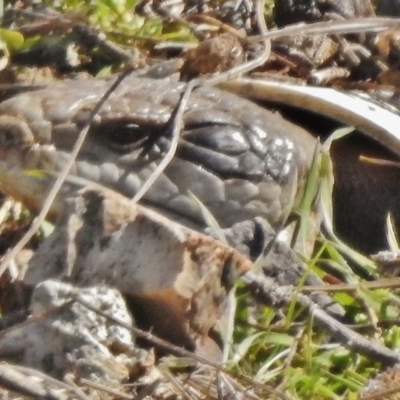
pixel 266 290
pixel 192 85
pixel 182 352
pixel 61 177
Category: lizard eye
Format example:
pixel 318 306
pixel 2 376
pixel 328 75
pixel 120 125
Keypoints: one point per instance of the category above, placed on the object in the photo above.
pixel 121 136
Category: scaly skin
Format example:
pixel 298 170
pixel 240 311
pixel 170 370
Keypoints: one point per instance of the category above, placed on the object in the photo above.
pixel 239 159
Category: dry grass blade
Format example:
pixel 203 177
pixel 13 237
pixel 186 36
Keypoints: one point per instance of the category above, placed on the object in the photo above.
pixel 178 386
pixel 40 375
pixel 389 283
pixel 250 65
pixel 326 207
pixel 177 127
pixel 148 390
pixel 379 161
pixel 391 234
pixel 269 292
pixel 17 371
pixel 61 178
pixel 192 85
pixel 209 219
pixel 360 25
pixel 20 383
pixel 303 239
pixel 183 353
pixel 77 390
pixel 105 389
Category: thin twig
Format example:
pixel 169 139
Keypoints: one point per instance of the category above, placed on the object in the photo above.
pixel 250 65
pixel 178 350
pixel 25 385
pixel 148 390
pixel 371 25
pixel 46 378
pixel 18 378
pixel 61 177
pixel 266 290
pixel 382 394
pixel 195 83
pixel 105 389
pixel 79 393
pixel 176 385
pixel 165 13
pixel 221 25
pixel 177 127
pixel 389 283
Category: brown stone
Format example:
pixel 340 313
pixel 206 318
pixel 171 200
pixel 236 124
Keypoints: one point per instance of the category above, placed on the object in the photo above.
pixel 177 279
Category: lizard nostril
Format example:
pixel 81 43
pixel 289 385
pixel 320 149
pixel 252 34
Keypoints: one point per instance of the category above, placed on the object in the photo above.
pixel 14 131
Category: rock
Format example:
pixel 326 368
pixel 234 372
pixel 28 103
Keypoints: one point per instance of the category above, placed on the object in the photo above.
pixel 176 280
pixel 281 263
pixel 63 335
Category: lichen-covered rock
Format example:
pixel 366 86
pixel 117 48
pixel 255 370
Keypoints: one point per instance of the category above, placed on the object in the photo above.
pixel 64 335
